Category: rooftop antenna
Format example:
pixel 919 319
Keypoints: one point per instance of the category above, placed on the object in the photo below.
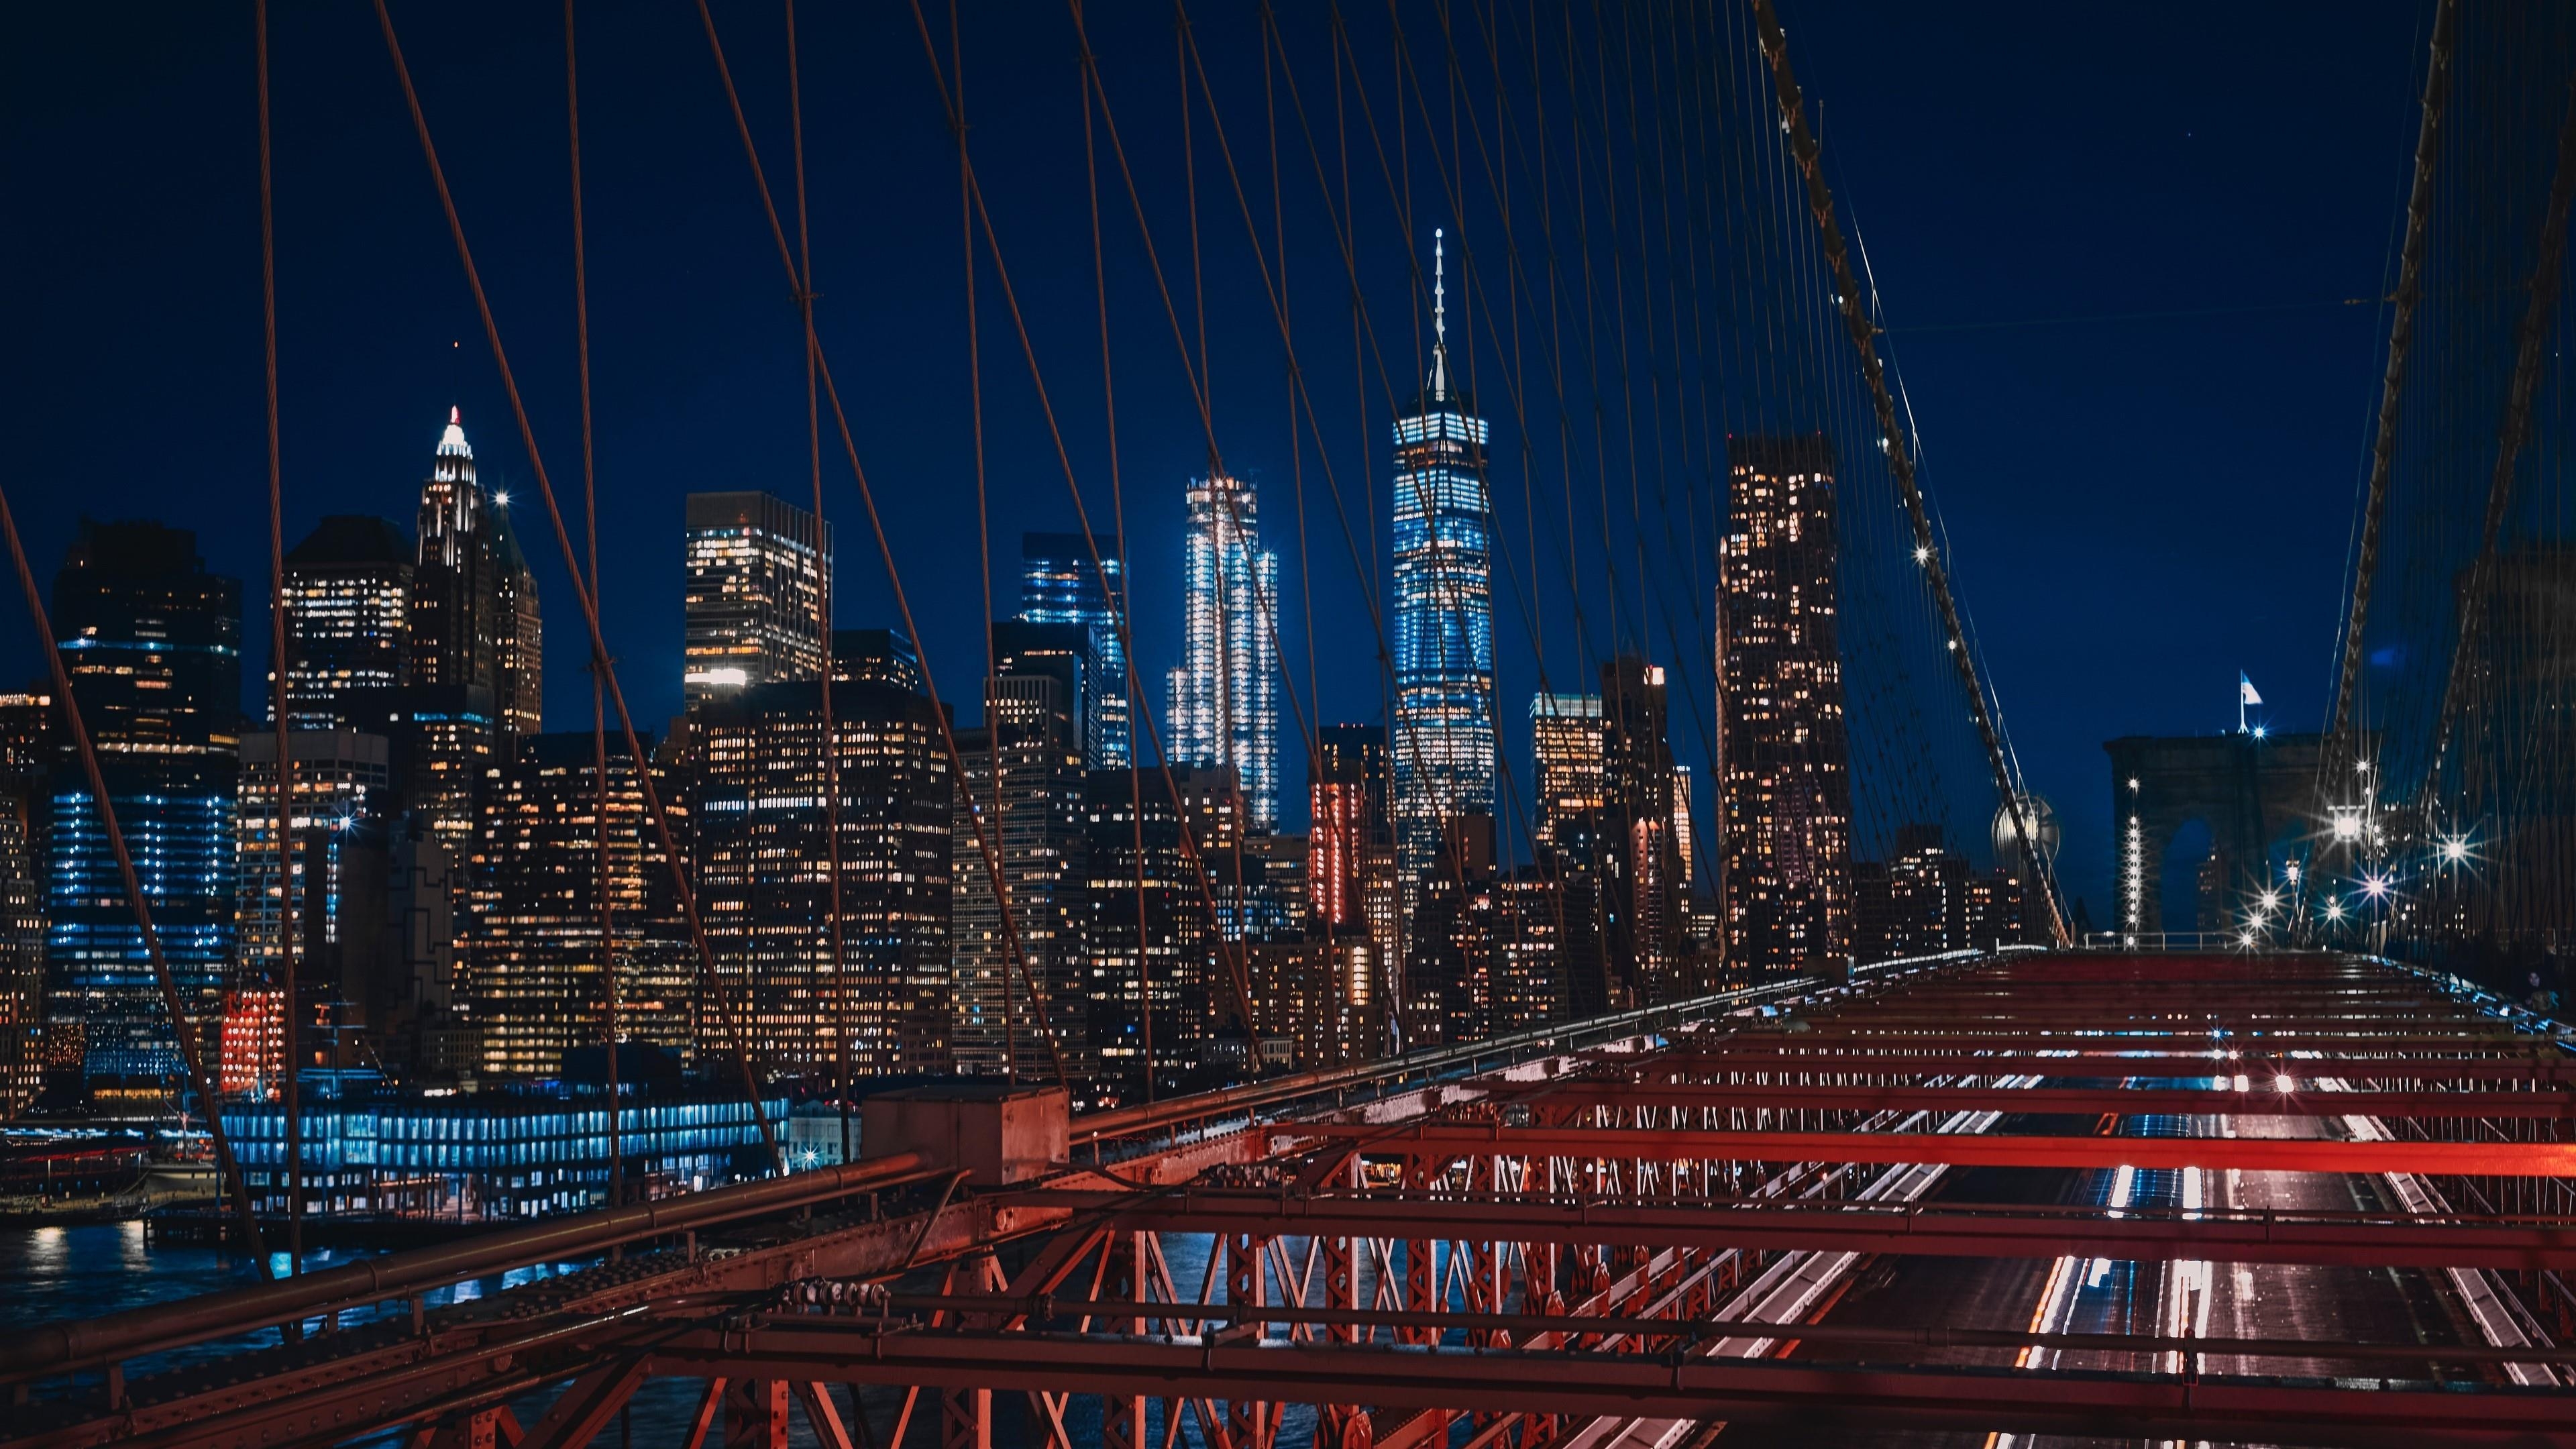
pixel 1439 320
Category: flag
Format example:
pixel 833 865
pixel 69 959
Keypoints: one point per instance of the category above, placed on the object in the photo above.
pixel 2245 690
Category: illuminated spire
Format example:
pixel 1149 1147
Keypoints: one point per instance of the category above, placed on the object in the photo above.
pixel 1439 320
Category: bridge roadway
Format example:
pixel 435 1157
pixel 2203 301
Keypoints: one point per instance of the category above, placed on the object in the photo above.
pixel 2279 1199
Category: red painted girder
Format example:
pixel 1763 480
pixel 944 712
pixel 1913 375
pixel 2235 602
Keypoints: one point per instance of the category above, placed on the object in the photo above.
pixel 2010 1036
pixel 1819 1397
pixel 1957 1149
pixel 2558 1070
pixel 2259 1100
pixel 1949 1231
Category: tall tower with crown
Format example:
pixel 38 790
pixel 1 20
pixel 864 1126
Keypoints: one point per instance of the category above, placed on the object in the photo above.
pixel 474 619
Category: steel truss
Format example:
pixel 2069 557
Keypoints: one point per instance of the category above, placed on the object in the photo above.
pixel 1656 1230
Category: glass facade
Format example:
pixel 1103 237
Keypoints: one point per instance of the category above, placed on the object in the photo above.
pixel 764 884
pixel 1225 691
pixel 1443 615
pixel 369 1148
pixel 153 645
pixel 533 954
pixel 758 572
pixel 348 612
pixel 1059 584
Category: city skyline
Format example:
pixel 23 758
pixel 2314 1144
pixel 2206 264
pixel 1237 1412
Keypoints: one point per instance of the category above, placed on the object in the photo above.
pixel 736 411
pixel 1304 726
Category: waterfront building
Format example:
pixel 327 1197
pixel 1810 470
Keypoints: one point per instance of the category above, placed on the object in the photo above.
pixel 1225 690
pixel 758 572
pixel 1785 792
pixel 504 1154
pixel 764 883
pixel 1023 787
pixel 152 643
pixel 535 964
pixel 473 614
pixel 348 613
pixel 1444 762
pixel 1061 584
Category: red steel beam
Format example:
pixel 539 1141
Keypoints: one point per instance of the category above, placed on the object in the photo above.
pixel 1817 1396
pixel 2560 1070
pixel 2261 1100
pixel 1955 1149
pixel 1953 1231
pixel 2009 1036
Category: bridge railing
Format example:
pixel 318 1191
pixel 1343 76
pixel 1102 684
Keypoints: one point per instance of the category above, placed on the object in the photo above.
pixel 1333 1087
pixel 2163 941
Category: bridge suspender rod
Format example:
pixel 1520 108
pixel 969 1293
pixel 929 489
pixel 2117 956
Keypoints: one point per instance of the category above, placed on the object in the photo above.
pixel 2342 728
pixel 290 1051
pixel 1900 458
pixel 2547 270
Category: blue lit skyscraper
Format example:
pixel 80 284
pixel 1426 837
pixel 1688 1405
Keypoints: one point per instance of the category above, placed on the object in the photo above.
pixel 1225 691
pixel 1059 584
pixel 153 645
pixel 1444 611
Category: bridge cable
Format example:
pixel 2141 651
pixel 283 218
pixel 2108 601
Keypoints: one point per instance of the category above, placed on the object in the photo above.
pixel 290 998
pixel 609 985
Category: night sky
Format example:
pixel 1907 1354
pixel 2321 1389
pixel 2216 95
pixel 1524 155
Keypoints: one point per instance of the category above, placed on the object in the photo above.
pixel 2114 246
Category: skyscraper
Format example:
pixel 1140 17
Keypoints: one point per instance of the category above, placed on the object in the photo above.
pixel 1033 821
pixel 1059 584
pixel 474 619
pixel 1785 795
pixel 26 756
pixel 1225 691
pixel 1349 846
pixel 1148 940
pixel 759 569
pixel 331 867
pixel 348 612
pixel 1565 742
pixel 1643 872
pixel 879 656
pixel 519 688
pixel 534 957
pixel 1444 610
pixel 1062 653
pixel 153 645
pixel 764 887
